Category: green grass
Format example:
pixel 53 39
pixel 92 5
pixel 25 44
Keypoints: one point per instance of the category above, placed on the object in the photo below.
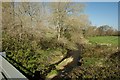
pixel 52 74
pixel 90 61
pixel 96 58
pixel 105 39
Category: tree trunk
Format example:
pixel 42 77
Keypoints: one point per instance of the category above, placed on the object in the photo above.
pixel 58 36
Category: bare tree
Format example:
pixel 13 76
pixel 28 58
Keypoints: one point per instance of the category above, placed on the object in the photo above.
pixel 61 12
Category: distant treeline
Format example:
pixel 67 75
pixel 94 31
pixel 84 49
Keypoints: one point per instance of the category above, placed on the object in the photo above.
pixel 104 30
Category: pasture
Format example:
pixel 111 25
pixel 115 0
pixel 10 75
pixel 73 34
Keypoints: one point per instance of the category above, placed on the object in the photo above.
pixel 113 40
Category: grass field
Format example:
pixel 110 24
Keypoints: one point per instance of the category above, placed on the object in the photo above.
pixel 114 40
pixel 97 57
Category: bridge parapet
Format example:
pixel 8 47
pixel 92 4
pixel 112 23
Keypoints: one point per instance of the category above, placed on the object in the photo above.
pixel 8 71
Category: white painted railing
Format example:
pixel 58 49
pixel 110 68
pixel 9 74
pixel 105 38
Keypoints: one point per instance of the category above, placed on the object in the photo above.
pixel 8 70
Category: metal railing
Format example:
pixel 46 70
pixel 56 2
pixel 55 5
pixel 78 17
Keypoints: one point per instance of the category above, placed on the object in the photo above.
pixel 8 71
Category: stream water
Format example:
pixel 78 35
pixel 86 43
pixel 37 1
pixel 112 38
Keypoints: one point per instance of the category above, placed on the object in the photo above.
pixel 74 63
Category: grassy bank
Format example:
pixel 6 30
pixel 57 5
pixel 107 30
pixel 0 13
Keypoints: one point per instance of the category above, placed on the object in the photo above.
pixel 113 40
